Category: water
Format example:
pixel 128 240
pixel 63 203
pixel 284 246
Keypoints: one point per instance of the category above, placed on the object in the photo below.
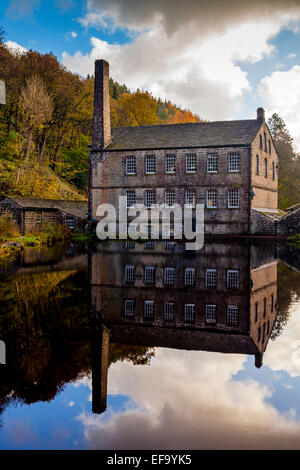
pixel 136 346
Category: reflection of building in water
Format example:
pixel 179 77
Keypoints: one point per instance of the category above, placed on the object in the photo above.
pixel 221 299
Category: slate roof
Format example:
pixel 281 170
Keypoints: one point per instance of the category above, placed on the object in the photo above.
pixel 76 208
pixel 200 134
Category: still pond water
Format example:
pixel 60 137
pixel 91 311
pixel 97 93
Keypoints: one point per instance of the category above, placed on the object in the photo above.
pixel 146 346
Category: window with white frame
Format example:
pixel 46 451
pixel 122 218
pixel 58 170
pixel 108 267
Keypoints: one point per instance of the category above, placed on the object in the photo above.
pixel 169 276
pixel 129 274
pixel 257 164
pixel 70 222
pixel 149 309
pixel 190 163
pixel 170 164
pixel 149 245
pixel 129 308
pixel 150 164
pixel 211 311
pixel 190 197
pixel 189 313
pixel 149 274
pixel 130 198
pixel 170 197
pixel 211 278
pixel 211 199
pixel 234 162
pixel 169 246
pixel 233 198
pixel 169 311
pixel 232 279
pixel 212 163
pixel 130 166
pixel 39 218
pixel 149 198
pixel 189 277
pixel 232 315
pixel 130 245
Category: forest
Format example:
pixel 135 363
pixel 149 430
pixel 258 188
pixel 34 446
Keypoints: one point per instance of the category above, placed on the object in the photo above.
pixel 45 128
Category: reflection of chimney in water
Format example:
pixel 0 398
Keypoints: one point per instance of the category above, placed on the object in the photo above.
pixel 100 346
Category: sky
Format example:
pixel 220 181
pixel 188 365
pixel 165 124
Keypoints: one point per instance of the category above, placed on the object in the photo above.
pixel 220 59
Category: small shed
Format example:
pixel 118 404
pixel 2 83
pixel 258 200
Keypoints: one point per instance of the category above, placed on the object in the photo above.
pixel 32 214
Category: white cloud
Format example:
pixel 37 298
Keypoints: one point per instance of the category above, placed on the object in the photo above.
pixel 280 93
pixel 291 55
pixel 192 70
pixel 17 9
pixel 15 47
pixel 71 35
pixel 188 400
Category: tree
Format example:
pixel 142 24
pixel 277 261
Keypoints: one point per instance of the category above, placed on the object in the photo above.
pixel 37 105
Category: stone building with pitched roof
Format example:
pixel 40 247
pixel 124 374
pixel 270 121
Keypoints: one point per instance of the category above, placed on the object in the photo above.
pixel 229 166
pixel 31 214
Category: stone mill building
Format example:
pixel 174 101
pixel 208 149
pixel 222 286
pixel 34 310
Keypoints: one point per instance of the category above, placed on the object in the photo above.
pixel 229 166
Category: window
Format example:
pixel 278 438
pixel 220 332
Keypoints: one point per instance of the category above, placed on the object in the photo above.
pixel 189 313
pixel 129 274
pixel 270 147
pixel 265 306
pixel 70 222
pixel 169 276
pixel 232 279
pixel 170 164
pixel 190 163
pixel 39 218
pixel 149 198
pixel 129 308
pixel 260 141
pixel 264 332
pixel 234 162
pixel 266 168
pixel 258 333
pixel 189 277
pixel 211 278
pixel 233 199
pixel 149 309
pixel 130 201
pixel 265 141
pixel 130 166
pixel 150 164
pixel 256 312
pixel 257 164
pixel 190 197
pixel 268 327
pixel 130 245
pixel 273 170
pixel 272 302
pixel 170 197
pixel 149 246
pixel 232 315
pixel 212 163
pixel 211 311
pixel 211 199
pixel 169 246
pixel 149 274
pixel 169 311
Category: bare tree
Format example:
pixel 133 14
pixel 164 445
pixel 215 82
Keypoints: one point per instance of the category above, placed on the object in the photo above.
pixel 38 108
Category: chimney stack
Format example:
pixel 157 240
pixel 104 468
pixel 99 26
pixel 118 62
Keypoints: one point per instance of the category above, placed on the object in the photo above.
pixel 101 121
pixel 261 114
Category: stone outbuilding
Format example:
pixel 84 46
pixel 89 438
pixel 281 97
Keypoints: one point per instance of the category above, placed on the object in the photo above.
pixel 32 214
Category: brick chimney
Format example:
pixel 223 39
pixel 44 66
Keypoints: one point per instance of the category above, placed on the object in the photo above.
pixel 261 114
pixel 101 121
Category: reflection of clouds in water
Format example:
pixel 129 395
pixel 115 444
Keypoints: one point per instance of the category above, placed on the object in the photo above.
pixel 284 352
pixel 187 400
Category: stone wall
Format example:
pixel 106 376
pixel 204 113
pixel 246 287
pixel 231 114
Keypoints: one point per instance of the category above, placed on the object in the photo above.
pixel 261 224
pixel 109 180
